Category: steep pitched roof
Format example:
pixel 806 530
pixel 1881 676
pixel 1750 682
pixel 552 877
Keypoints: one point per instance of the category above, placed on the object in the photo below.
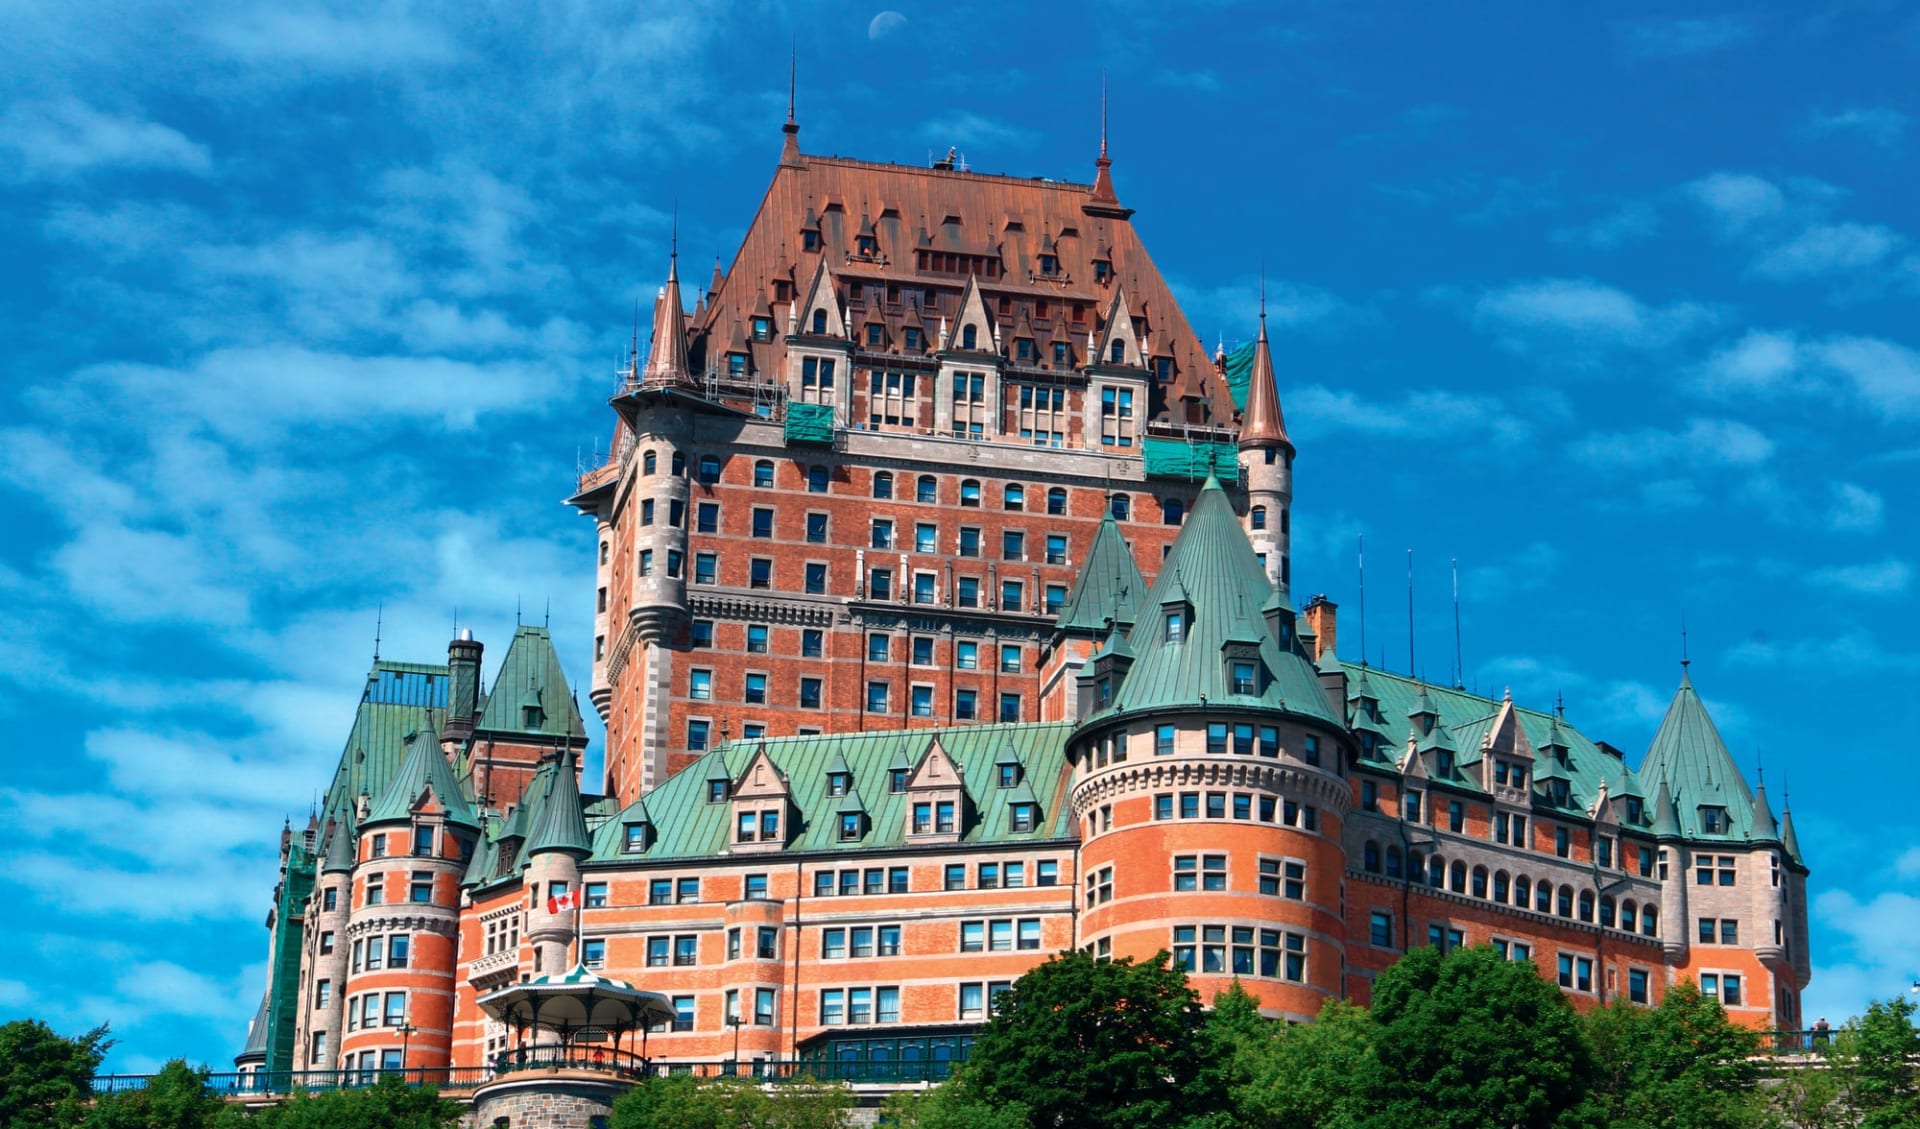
pixel 531 679
pixel 425 770
pixel 560 824
pixel 399 699
pixel 257 1028
pixel 687 826
pixel 667 358
pixel 1215 570
pixel 339 857
pixel 1688 754
pixel 1262 425
pixel 1109 588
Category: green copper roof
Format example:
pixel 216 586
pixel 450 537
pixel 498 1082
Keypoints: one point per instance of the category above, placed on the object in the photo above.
pixel 530 695
pixel 851 804
pixel 1109 588
pixel 1213 567
pixel 340 853
pixel 1666 824
pixel 399 699
pixel 256 1047
pixel 1688 754
pixel 560 825
pixel 425 769
pixel 1764 828
pixel 686 826
pixel 1788 839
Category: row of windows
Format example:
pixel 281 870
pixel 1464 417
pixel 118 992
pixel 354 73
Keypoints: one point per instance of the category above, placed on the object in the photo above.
pixel 920 650
pixel 421 846
pixel 839 943
pixel 377 1009
pixel 766 942
pixel 1510 829
pixel 1242 950
pixel 419 888
pixel 1244 805
pixel 966 703
pixel 1242 738
pixel 1520 890
pixel 374 953
pixel 1000 935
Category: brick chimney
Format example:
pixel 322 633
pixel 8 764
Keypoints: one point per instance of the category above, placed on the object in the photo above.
pixel 1320 616
pixel 463 695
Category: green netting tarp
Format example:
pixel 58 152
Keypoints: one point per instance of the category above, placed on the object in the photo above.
pixel 809 423
pixel 1239 367
pixel 1175 458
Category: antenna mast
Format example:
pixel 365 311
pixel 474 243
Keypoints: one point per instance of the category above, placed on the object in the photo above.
pixel 1360 558
pixel 1459 663
pixel 1412 669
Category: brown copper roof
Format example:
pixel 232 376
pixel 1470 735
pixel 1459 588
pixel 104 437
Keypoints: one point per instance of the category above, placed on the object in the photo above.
pixel 1263 425
pixel 667 359
pixel 989 226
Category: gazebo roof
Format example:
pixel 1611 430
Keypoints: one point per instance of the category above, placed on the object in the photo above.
pixel 575 1001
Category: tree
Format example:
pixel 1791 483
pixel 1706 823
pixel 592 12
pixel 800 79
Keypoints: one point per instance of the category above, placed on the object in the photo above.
pixel 44 1076
pixel 950 1106
pixel 1873 1061
pixel 1471 1040
pixel 1681 1065
pixel 1311 1075
pixel 1237 1035
pixel 175 1098
pixel 387 1104
pixel 1086 1044
pixel 682 1101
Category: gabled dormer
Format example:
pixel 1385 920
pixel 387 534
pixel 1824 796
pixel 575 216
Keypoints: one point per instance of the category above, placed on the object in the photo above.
pixel 936 798
pixel 839 776
pixel 1023 809
pixel 1118 345
pixel 719 782
pixel 1375 742
pixel 1103 673
pixel 1506 757
pixel 637 830
pixel 866 241
pixel 1245 672
pixel 1176 612
pixel 973 328
pixel 1422 718
pixel 1553 786
pixel 1007 769
pixel 851 821
pixel 762 806
pixel 820 312
pixel 899 771
pixel 810 237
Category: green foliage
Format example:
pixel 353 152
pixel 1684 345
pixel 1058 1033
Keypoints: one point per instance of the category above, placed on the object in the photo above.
pixel 387 1104
pixel 1682 1065
pixel 1470 1040
pixel 1873 1061
pixel 1309 1076
pixel 950 1106
pixel 682 1101
pixel 1086 1044
pixel 175 1098
pixel 45 1076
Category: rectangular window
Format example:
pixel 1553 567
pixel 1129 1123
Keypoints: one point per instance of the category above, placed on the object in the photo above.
pixel 1637 985
pixel 954 877
pixel 706 517
pixel 1456 815
pixel 420 887
pixel 683 1013
pixel 397 946
pixel 756 638
pixel 762 522
pixel 877 697
pixel 394 1013
pixel 1163 806
pixel 972 1001
pixel 593 953
pixel 760 572
pixel 763 1007
pixel 686 890
pixel 686 950
pixel 1562 842
pixel 1380 928
pixel 833 1007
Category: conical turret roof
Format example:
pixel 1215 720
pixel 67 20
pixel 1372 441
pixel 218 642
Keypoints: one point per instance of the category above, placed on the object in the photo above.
pixel 1262 425
pixel 1666 819
pixel 667 357
pixel 1788 838
pixel 1688 754
pixel 1109 588
pixel 340 849
pixel 425 770
pixel 1763 826
pixel 560 824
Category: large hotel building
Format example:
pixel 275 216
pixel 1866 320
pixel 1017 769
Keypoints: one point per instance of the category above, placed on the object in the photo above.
pixel 944 621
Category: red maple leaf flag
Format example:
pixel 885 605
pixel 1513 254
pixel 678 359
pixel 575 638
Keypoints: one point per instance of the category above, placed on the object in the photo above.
pixel 568 900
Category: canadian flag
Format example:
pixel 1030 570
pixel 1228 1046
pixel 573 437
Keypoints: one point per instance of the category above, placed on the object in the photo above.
pixel 568 900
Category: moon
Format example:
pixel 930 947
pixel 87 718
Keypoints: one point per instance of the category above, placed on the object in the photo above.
pixel 885 24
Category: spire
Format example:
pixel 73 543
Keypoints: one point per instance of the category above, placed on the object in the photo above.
pixel 1262 425
pixel 1666 814
pixel 1103 202
pixel 1788 839
pixel 667 359
pixel 1109 589
pixel 1688 753
pixel 340 849
pixel 790 146
pixel 1764 828
pixel 561 825
pixel 425 771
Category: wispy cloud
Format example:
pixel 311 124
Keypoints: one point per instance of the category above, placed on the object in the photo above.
pixel 1876 125
pixel 1889 577
pixel 1432 414
pixel 1681 38
pixel 67 137
pixel 1855 509
pixel 1736 201
pixel 1702 444
pixel 1828 249
pixel 1582 313
pixel 1879 376
pixel 1230 313
pixel 1630 222
pixel 966 128
pixel 294 41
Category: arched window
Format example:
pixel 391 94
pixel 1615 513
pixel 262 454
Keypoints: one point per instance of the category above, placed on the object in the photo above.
pixel 927 490
pixel 1057 501
pixel 1370 857
pixel 1119 351
pixel 649 463
pixel 1586 905
pixel 969 337
pixel 1171 511
pixel 1257 517
pixel 679 464
pixel 817 479
pixel 1416 865
pixel 605 549
pixel 1015 497
pixel 1522 891
pixel 1437 873
pixel 1502 886
pixel 1122 509
pixel 709 469
pixel 1479 881
pixel 1459 878
pixel 1393 862
pixel 883 484
pixel 763 473
pixel 1543 897
pixel 1563 904
pixel 1606 911
pixel 1650 920
pixel 820 322
pixel 1629 917
pixel 970 492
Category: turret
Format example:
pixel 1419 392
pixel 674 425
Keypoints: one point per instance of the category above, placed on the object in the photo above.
pixel 1266 463
pixel 1673 874
pixel 463 691
pixel 557 841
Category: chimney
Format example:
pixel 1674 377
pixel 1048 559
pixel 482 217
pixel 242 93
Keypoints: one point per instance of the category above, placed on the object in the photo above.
pixel 463 696
pixel 1320 616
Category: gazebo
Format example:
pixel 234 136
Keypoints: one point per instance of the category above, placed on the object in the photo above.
pixel 580 1007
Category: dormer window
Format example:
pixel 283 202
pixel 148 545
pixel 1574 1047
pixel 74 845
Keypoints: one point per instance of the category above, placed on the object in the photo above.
pixel 1246 676
pixel 1022 818
pixel 1049 264
pixel 1163 368
pixel 1023 349
pixel 1009 775
pixel 1103 690
pixel 850 827
pixel 1713 821
pixel 1102 270
pixel 1443 760
pixel 969 337
pixel 868 245
pixel 1559 791
pixel 736 364
pixel 635 840
pixel 1176 629
pixel 1118 354
pixel 533 717
pixel 810 241
pixel 717 791
pixel 762 329
pixel 820 323
pixel 1060 355
pixel 897 780
pixel 839 783
pixel 911 340
pixel 1635 811
pixel 876 334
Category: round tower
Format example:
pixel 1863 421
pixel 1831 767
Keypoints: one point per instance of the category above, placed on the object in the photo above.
pixel 329 947
pixel 1266 464
pixel 1675 865
pixel 557 842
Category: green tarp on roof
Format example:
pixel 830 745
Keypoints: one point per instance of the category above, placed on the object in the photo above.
pixel 1176 458
pixel 809 423
pixel 1239 369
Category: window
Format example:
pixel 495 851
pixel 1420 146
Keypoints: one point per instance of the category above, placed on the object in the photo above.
pixel 1444 937
pixel 920 699
pixel 1014 499
pixel 1012 595
pixel 683 1013
pixel 809 693
pixel 1100 887
pixel 394 1013
pixel 817 479
pixel 1245 679
pixel 1119 507
pixel 1116 416
pixel 760 572
pixel 700 684
pixel 965 704
pixel 593 953
pixel 883 484
pixel 1284 878
pixel 701 633
pixel 878 647
pixel 880 584
pixel 882 537
pixel 1576 972
pixel 811 640
pixel 1200 872
pixel 926 537
pixel 697 731
pixel 763 474
pixel 1562 842
pixel 926 489
pixel 326 938
pixel 756 638
pixel 1380 928
pixel 755 886
pixel 970 493
pixel 1637 985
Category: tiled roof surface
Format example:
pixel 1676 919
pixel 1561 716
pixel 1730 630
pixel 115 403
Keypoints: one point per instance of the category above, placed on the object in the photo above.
pixel 560 824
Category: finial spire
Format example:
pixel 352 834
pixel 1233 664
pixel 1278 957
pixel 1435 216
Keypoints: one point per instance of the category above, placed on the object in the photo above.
pixel 1102 201
pixel 379 619
pixel 1103 113
pixel 793 67
pixel 790 146
pixel 1684 660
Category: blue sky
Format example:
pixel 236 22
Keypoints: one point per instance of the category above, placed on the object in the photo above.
pixel 312 309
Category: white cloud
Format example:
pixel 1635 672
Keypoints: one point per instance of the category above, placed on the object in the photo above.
pixel 1680 38
pixel 1890 577
pixel 1431 413
pixel 67 137
pixel 1882 374
pixel 1737 200
pixel 1877 125
pixel 291 41
pixel 1826 249
pixel 1908 864
pixel 965 129
pixel 1846 649
pixel 1703 443
pixel 1876 374
pixel 1760 362
pixel 1525 571
pixel 1582 312
pixel 1632 221
pixel 1855 509
pixel 1230 313
pixel 1870 955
